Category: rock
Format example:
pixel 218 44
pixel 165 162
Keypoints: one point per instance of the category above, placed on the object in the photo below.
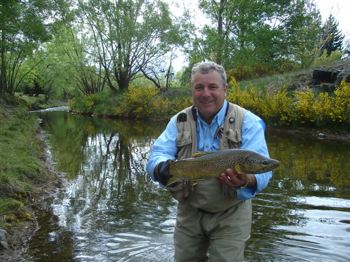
pixel 324 76
pixel 321 135
pixel 328 79
pixel 3 239
pixel 344 75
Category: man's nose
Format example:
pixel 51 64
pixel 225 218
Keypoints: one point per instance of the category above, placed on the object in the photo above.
pixel 206 91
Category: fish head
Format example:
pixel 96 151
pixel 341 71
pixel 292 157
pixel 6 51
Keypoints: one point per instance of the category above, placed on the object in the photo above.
pixel 256 163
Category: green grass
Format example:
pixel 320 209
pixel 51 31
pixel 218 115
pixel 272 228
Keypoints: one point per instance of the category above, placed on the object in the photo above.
pixel 22 171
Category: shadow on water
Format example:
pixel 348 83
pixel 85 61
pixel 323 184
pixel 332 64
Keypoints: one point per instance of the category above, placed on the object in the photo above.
pixel 109 210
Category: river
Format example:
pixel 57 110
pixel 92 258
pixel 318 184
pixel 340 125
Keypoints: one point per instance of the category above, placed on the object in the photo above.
pixel 109 210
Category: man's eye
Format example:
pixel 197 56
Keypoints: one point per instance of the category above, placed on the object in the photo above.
pixel 198 88
pixel 213 87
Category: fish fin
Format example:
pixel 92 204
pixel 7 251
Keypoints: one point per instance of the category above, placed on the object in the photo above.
pixel 202 153
pixel 238 169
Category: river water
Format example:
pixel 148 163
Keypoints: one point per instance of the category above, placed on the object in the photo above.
pixel 109 210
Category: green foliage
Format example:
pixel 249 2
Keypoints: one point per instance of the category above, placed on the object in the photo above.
pixel 341 110
pixel 22 170
pixel 24 25
pixel 301 108
pixel 84 103
pixel 325 60
pixel 256 38
pixel 145 102
pixel 129 37
pixel 12 211
pixel 279 107
pixel 332 38
pixel 136 103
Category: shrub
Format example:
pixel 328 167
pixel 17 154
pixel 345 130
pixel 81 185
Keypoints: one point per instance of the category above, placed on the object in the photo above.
pixel 145 102
pixel 84 103
pixel 250 98
pixel 341 103
pixel 279 108
pixel 305 112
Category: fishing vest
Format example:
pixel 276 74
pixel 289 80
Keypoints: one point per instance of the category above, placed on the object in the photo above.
pixel 208 195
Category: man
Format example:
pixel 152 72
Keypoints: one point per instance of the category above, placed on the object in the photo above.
pixel 214 216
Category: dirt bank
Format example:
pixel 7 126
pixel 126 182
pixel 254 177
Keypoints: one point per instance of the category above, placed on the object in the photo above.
pixel 18 236
pixel 320 134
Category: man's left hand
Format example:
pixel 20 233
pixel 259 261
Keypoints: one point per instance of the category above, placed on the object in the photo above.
pixel 233 179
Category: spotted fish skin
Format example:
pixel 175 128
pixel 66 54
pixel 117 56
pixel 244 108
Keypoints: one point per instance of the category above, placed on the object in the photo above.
pixel 211 164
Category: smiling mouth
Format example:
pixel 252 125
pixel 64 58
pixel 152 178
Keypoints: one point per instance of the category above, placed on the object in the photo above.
pixel 206 102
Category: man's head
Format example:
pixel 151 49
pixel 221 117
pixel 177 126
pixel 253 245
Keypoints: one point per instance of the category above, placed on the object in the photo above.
pixel 209 85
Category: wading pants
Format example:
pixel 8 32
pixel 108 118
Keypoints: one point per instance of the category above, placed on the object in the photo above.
pixel 220 235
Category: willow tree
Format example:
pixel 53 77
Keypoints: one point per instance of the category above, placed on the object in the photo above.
pixel 24 26
pixel 128 36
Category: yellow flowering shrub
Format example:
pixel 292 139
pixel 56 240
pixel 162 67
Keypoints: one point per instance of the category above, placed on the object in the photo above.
pixel 231 79
pixel 144 102
pixel 304 110
pixel 341 104
pixel 281 107
pixel 278 107
pixel 323 108
pixel 251 98
pixel 84 103
pixel 179 103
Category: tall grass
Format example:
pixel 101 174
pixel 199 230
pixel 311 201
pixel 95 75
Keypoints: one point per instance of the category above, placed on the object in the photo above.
pixel 22 169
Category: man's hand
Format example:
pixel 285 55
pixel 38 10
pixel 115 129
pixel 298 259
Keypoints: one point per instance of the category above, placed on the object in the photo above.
pixel 233 179
pixel 162 173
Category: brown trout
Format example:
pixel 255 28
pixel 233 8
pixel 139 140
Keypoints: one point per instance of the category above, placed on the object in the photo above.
pixel 204 165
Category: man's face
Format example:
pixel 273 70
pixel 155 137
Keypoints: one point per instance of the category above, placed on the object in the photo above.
pixel 208 93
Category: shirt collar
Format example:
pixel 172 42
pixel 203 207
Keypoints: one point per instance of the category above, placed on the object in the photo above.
pixel 219 117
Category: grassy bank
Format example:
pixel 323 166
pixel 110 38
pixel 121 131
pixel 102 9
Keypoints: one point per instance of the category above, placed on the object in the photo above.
pixel 22 167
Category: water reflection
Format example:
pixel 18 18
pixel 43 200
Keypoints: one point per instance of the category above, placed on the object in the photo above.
pixel 111 211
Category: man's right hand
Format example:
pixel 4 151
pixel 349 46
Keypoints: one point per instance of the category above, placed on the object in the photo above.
pixel 162 173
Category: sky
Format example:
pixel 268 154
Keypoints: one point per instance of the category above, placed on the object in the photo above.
pixel 340 9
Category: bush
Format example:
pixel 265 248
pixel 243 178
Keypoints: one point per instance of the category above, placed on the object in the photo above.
pixel 279 107
pixel 145 102
pixel 341 105
pixel 295 108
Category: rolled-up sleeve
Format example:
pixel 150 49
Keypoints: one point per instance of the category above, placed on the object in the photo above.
pixel 253 138
pixel 164 147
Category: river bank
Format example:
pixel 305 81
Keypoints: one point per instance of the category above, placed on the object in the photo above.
pixel 320 134
pixel 27 178
pixel 19 234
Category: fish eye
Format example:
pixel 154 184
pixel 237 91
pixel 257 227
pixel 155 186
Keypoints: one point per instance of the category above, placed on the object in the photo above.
pixel 265 162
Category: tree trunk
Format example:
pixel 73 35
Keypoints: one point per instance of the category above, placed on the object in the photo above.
pixel 3 64
pixel 219 53
pixel 123 81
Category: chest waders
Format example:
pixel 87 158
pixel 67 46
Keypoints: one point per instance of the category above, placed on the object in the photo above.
pixel 208 217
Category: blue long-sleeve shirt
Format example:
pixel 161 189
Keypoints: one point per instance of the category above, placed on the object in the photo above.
pixel 253 138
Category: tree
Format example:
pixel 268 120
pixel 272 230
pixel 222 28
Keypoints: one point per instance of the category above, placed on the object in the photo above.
pixel 254 33
pixel 129 36
pixel 302 31
pixel 24 25
pixel 64 66
pixel 332 38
